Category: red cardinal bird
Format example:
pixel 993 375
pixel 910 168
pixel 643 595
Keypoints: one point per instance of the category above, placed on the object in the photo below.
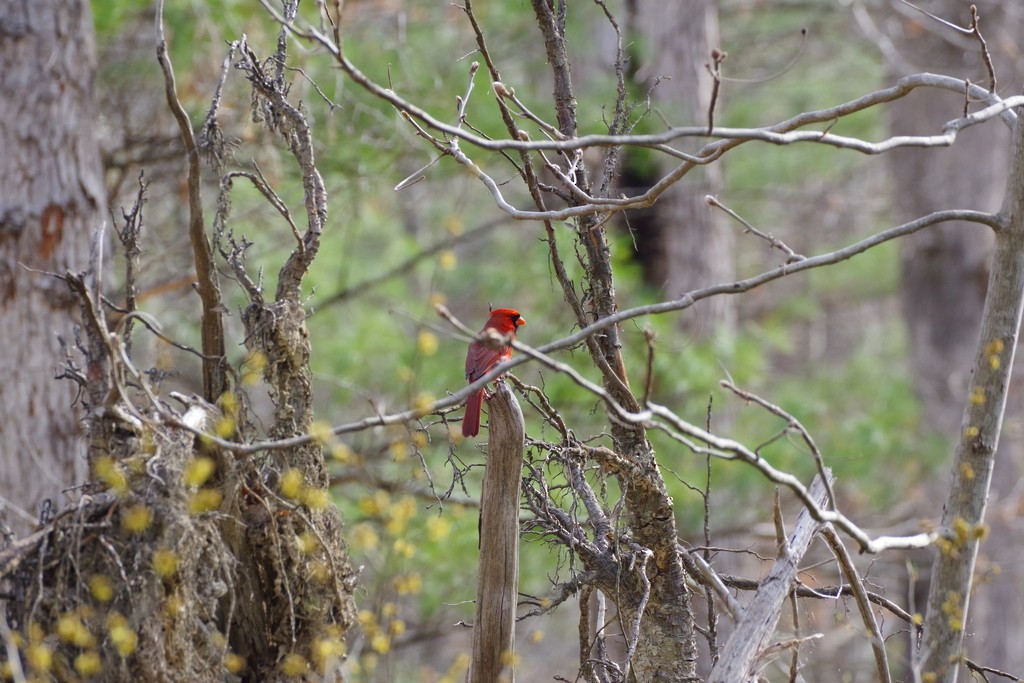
pixel 484 355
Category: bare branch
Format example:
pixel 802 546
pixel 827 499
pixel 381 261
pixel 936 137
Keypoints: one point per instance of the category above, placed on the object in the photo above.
pixel 793 423
pixel 860 593
pixel 748 644
pixel 982 670
pixel 572 340
pixel 963 517
pixel 214 374
pixel 791 256
pixel 714 68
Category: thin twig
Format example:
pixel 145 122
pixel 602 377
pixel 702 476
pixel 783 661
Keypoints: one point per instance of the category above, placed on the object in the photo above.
pixel 982 670
pixel 792 423
pixel 794 660
pixel 985 56
pixel 212 325
pixel 130 237
pixel 714 68
pixel 791 256
pixel 649 374
pixel 860 594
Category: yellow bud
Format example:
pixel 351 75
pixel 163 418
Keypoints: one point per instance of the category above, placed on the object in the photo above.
pixel 966 470
pixel 199 470
pixel 165 563
pixel 447 260
pixel 320 572
pixel 962 529
pixel 326 649
pixel 314 498
pixel 294 665
pixel 321 431
pixel 88 664
pixel 307 542
pixel 453 224
pixel 39 657
pixel 426 343
pixel 403 548
pixel 124 639
pixel 344 454
pixel 252 368
pixel 136 519
pixel 228 403
pixel 373 506
pixel 225 427
pixel 204 500
pixel 364 537
pixel 409 584
pixel 101 588
pixel 173 605
pixel 234 663
pixel 107 471
pixel 292 483
pixel 380 643
pixel 438 528
pixel 399 451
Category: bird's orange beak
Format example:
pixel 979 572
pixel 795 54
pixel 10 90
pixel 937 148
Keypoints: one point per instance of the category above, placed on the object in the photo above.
pixel 521 321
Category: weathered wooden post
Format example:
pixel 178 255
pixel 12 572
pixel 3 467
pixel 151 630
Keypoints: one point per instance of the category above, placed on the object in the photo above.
pixel 498 581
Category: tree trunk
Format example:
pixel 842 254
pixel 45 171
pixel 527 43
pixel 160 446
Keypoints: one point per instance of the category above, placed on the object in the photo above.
pixel 963 518
pixel 944 275
pixel 52 200
pixel 658 600
pixel 680 242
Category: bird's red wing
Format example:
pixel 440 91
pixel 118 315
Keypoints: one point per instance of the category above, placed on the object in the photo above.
pixel 480 359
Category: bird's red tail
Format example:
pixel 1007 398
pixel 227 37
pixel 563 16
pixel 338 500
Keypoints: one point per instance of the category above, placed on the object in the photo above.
pixel 471 422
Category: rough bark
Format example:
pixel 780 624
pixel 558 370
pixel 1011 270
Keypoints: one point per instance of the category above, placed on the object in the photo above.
pixel 52 200
pixel 498 580
pixel 658 600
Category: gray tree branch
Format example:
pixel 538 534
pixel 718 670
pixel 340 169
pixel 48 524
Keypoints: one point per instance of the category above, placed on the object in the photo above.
pixel 757 623
pixel 963 519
